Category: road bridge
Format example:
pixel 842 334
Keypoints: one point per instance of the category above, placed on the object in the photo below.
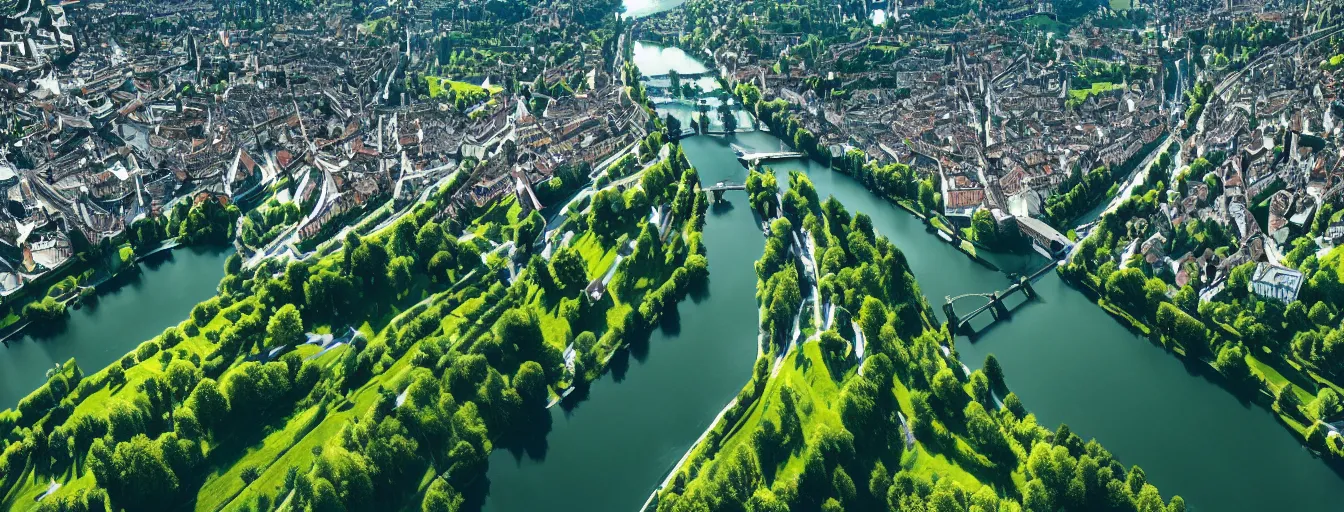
pixel 719 188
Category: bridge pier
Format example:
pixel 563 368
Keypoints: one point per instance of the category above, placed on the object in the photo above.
pixel 950 312
pixel 1025 284
pixel 997 308
pixel 718 195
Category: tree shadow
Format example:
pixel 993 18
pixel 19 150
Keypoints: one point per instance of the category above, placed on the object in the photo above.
pixel 571 403
pixel 475 493
pixel 528 436
pixel 698 290
pixel 670 322
pixel 721 207
pixel 47 330
pixel 619 365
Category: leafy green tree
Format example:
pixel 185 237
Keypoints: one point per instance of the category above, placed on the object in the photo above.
pixel 530 383
pixel 1126 287
pixel 994 372
pixel 1325 406
pixel 182 377
pixel 135 474
pixel 285 327
pixel 948 389
pixel 1320 314
pixel 1231 362
pixel 369 266
pixel 1286 401
pixel 441 497
pixel 399 274
pixel 984 229
pixel 570 270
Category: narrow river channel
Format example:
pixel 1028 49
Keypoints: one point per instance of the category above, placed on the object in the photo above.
pixel 128 311
pixel 1066 359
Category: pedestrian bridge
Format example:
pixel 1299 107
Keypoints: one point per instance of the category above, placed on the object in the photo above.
pixel 755 157
pixel 961 324
pixel 719 188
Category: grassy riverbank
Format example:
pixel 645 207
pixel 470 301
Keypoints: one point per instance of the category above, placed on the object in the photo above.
pixel 455 354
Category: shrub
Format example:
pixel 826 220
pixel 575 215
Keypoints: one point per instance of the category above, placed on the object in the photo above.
pixel 250 474
pixel 146 350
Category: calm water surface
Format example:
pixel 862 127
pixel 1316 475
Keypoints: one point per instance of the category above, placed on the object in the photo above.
pixel 97 334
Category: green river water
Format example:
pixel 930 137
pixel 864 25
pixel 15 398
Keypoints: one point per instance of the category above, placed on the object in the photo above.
pixel 129 310
pixel 1068 361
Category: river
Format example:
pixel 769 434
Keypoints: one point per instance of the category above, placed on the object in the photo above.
pixel 609 450
pixel 128 311
pixel 642 8
pixel 1068 361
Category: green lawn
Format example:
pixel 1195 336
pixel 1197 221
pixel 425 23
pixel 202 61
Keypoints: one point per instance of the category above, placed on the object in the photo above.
pixel 1096 89
pixel 598 258
pixel 1047 24
pixel 439 86
pixel 1276 379
pixel 220 488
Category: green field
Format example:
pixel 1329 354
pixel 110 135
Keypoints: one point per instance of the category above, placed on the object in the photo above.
pixel 1097 88
pixel 439 86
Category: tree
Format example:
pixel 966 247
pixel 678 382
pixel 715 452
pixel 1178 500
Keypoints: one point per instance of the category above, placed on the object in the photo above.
pixel 136 475
pixel 948 389
pixel 233 265
pixel 1187 299
pixel 209 403
pixel 673 124
pixel 1325 406
pixel 182 376
pixel 351 243
pixel 530 383
pixel 369 265
pixel 984 229
pixel 833 346
pixel 1126 288
pixel 1231 362
pixel 399 274
pixel 1320 313
pixel 441 497
pixel 429 241
pixel 994 372
pixel 1286 401
pixel 570 270
pixel 1239 280
pixel 328 295
pixel 285 327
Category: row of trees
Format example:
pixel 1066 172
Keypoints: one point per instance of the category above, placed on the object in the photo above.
pixel 465 392
pixel 1082 193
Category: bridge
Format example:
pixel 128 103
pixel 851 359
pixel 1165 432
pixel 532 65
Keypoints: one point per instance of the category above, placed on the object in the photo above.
pixel 755 157
pixel 961 323
pixel 719 188
pixel 681 76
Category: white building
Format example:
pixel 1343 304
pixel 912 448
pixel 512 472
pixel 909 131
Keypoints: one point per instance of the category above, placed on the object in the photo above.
pixel 1274 282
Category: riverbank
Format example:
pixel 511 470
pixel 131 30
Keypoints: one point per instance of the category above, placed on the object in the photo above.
pixel 129 310
pixel 1066 338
